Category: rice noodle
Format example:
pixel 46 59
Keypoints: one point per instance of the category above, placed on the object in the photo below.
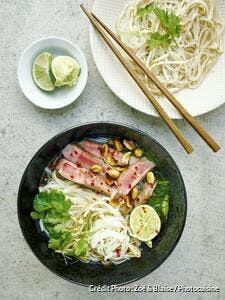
pixel 108 228
pixel 198 46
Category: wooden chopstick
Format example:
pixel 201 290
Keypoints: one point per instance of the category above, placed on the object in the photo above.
pixel 140 83
pixel 190 119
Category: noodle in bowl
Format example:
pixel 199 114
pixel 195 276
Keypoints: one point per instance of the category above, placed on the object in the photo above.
pixel 108 227
pixel 186 62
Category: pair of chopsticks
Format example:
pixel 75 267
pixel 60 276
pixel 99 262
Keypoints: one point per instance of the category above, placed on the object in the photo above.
pixel 105 32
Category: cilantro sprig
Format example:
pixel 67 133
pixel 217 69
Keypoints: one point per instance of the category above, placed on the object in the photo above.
pixel 160 198
pixel 53 208
pixel 169 22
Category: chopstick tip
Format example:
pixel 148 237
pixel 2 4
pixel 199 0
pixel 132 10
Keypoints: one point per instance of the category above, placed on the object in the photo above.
pixel 189 150
pixel 83 7
pixel 85 10
pixel 216 148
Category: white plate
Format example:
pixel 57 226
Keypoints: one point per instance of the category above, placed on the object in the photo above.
pixel 61 96
pixel 208 96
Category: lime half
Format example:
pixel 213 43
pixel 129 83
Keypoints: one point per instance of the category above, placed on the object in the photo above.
pixel 65 70
pixel 145 223
pixel 41 71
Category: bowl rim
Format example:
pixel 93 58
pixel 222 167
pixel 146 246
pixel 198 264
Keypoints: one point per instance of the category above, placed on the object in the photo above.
pixel 139 132
pixel 38 41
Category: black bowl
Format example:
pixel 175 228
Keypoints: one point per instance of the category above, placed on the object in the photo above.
pixel 97 274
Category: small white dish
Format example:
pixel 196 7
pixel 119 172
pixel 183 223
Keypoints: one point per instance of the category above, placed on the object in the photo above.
pixel 60 97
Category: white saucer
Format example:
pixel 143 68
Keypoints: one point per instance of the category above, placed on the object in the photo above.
pixel 61 96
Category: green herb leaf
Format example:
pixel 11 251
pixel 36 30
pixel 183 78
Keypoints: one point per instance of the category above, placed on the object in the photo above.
pixel 81 247
pixel 53 217
pixel 70 253
pixel 161 206
pixel 87 223
pixel 172 23
pixel 51 199
pixel 162 15
pixel 151 156
pixel 35 215
pixel 60 228
pixel 40 204
pixel 160 199
pixel 51 231
pixel 61 242
pixel 53 208
pixel 82 244
pixel 162 189
pixel 156 40
pixel 169 21
pixel 142 11
pixel 54 243
pixel 66 239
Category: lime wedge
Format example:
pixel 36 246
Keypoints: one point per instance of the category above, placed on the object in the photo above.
pixel 65 70
pixel 145 223
pixel 41 71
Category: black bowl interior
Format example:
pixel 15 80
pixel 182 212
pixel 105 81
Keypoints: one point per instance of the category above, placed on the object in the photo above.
pixel 96 274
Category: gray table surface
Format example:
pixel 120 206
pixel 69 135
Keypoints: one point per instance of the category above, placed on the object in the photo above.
pixel 199 258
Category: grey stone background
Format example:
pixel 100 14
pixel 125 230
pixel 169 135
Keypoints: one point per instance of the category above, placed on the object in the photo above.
pixel 199 258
